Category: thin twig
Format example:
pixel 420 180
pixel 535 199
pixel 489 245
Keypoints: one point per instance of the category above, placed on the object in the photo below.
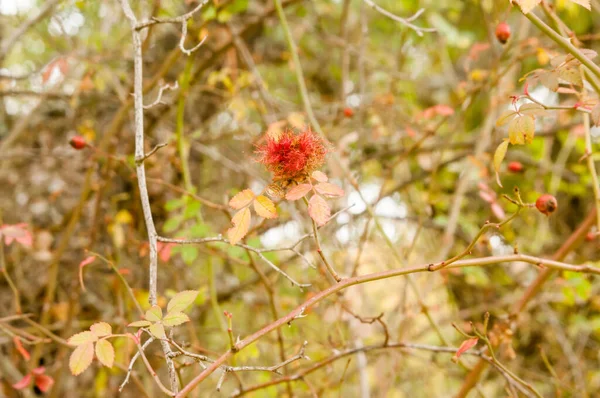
pixel 404 21
pixel 161 90
pixel 259 253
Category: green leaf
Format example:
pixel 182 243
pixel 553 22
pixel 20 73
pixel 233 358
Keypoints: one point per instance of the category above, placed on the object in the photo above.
pixel 175 318
pixel 181 301
pixel 173 204
pixel 172 224
pixel 209 13
pixel 189 254
pixel 105 353
pixel 192 210
pixel 154 314
pixel 199 230
pixel 158 331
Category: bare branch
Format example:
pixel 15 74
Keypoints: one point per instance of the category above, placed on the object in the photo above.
pixel 141 176
pixel 182 40
pixel 179 19
pixel 161 90
pixel 404 21
pixel 219 238
pixel 132 362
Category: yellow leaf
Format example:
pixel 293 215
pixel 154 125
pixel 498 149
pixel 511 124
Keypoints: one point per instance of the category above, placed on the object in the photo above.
pixel 81 358
pixel 241 224
pixel 175 318
pixel 154 314
pixel 82 338
pixel 297 120
pixel 101 329
pixel 319 210
pixel 583 3
pixel 528 5
pixel 182 300
pixel 532 109
pixel 242 199
pixel 105 353
pixel 499 154
pixel 521 130
pixel 123 217
pixel 505 117
pixel 264 207
pixel 158 331
pixel 499 157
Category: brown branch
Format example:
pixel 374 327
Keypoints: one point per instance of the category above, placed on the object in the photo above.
pixel 298 312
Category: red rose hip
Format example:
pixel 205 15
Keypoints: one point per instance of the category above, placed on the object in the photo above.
pixel 78 142
pixel 348 112
pixel 546 204
pixel 503 32
pixel 515 167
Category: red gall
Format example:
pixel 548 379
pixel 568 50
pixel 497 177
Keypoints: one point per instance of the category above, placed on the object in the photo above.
pixel 292 156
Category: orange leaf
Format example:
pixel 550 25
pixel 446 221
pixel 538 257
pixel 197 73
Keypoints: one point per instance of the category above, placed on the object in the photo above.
pixel 22 351
pixel 264 207
pixel 299 191
pixel 23 383
pixel 466 346
pixel 43 382
pixel 242 199
pixel 241 224
pixel 319 176
pixel 329 190
pixel 319 210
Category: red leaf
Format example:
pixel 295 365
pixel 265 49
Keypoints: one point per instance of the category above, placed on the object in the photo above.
pixel 466 346
pixel 164 250
pixel 23 383
pixel 22 351
pixel 44 382
pixel 39 370
pixel 18 233
pixel 87 261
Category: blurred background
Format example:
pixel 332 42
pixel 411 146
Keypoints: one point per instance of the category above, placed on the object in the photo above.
pixel 411 113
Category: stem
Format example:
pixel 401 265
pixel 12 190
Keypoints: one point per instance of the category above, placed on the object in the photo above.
pixel 181 145
pixel 592 167
pixel 564 43
pixel 141 176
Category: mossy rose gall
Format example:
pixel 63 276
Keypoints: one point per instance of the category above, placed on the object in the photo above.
pixel 292 156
